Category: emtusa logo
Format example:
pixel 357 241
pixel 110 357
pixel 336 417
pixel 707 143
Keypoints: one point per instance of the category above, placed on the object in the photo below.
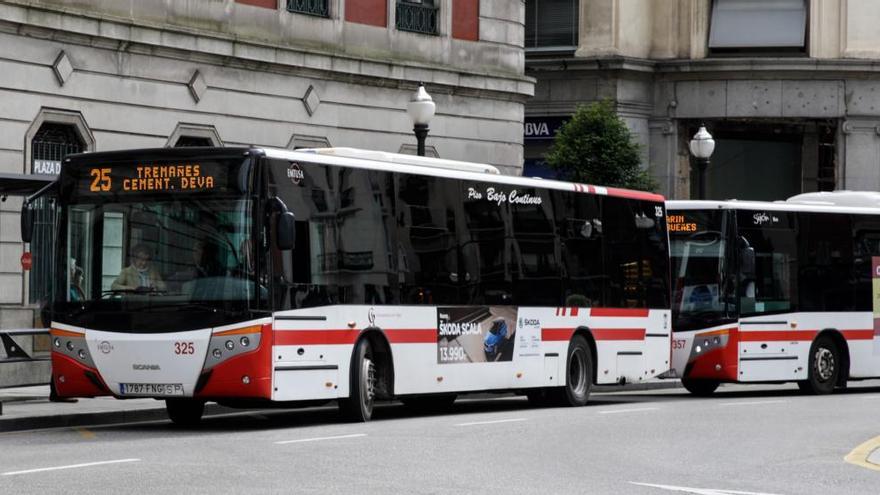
pixel 295 174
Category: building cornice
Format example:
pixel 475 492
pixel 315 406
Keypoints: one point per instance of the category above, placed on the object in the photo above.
pixel 710 67
pixel 71 26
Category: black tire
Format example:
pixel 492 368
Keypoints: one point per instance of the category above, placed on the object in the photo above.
pixel 358 407
pixel 700 388
pixel 579 375
pixel 428 404
pixel 185 412
pixel 824 367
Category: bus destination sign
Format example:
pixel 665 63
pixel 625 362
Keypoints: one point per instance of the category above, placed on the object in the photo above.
pixel 153 178
pixel 679 223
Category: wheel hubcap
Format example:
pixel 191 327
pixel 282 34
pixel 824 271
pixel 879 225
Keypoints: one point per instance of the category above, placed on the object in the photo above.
pixel 369 374
pixel 824 364
pixel 577 373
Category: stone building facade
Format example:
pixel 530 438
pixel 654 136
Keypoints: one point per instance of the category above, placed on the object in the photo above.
pixel 790 89
pixel 97 75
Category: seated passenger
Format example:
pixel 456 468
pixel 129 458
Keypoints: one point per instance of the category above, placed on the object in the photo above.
pixel 76 279
pixel 139 275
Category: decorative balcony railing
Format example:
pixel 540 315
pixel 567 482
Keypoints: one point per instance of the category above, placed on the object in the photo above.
pixel 417 17
pixel 311 7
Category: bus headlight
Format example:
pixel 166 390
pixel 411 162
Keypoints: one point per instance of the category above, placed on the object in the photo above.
pixel 81 354
pixel 245 341
pixel 698 349
pixel 57 342
pixel 217 353
pixel 229 345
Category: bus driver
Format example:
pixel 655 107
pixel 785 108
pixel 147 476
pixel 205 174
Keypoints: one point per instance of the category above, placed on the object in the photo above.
pixel 139 275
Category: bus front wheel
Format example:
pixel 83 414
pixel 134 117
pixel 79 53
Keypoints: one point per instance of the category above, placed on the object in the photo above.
pixel 185 412
pixel 700 388
pixel 824 368
pixel 358 407
pixel 579 375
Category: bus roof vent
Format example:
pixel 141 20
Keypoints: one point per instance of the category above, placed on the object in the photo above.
pixel 419 161
pixel 862 199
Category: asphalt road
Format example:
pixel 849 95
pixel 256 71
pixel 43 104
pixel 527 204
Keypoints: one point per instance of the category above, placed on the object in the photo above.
pixel 760 440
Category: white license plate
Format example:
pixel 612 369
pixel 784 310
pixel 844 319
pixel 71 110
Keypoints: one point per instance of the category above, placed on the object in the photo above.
pixel 151 389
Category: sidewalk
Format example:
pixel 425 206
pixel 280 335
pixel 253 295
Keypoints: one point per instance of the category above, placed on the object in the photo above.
pixel 29 408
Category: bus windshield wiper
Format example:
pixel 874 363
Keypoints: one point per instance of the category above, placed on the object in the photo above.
pixel 143 291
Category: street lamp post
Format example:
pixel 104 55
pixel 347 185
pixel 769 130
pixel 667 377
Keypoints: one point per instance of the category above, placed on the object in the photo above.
pixel 702 145
pixel 420 109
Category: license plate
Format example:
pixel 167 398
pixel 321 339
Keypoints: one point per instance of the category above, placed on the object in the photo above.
pixel 151 389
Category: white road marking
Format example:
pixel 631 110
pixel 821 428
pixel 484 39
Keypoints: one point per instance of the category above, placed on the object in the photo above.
pixel 699 491
pixel 476 423
pixel 615 411
pixel 319 439
pixel 753 403
pixel 72 466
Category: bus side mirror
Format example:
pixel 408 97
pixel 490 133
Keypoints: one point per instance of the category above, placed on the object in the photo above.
pixel 27 221
pixel 747 257
pixel 285 230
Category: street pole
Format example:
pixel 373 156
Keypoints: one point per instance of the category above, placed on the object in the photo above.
pixel 421 131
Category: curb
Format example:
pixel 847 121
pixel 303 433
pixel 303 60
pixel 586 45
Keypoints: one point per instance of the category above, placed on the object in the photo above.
pixel 97 418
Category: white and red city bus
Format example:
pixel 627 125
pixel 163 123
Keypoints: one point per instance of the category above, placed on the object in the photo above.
pixel 259 276
pixel 776 292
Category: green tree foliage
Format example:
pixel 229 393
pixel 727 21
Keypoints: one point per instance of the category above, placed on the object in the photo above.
pixel 596 147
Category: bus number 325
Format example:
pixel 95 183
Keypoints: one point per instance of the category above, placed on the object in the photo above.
pixel 184 348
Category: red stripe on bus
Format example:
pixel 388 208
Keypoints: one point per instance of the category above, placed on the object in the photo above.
pixel 622 312
pixel 556 334
pixel 574 311
pixel 564 334
pixel 412 336
pixel 618 333
pixel 311 337
pixel 776 335
pixel 798 335
pixel 345 336
pixel 858 334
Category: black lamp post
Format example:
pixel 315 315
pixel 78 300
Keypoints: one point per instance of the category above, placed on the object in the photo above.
pixel 702 145
pixel 420 109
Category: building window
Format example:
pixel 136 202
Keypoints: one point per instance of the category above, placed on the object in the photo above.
pixel 418 16
pixel 191 135
pixel 51 143
pixel 319 8
pixel 772 26
pixel 551 24
pixel 192 142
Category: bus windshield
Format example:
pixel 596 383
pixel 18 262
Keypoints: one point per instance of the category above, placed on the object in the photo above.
pixel 699 255
pixel 144 255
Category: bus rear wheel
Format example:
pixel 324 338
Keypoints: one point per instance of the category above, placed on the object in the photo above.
pixel 824 368
pixel 700 388
pixel 579 375
pixel 358 407
pixel 185 412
